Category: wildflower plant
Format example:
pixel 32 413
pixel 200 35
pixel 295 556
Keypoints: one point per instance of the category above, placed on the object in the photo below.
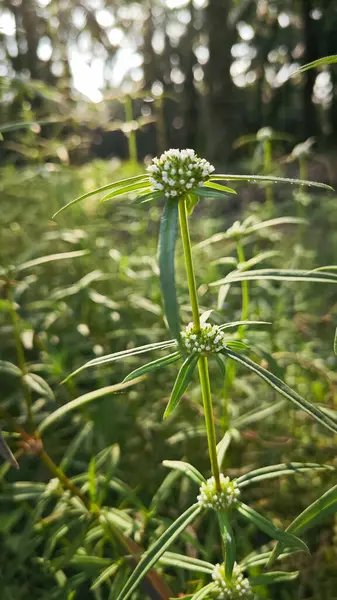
pixel 180 178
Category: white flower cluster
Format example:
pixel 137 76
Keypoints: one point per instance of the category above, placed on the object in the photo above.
pixel 177 171
pixel 211 497
pixel 208 340
pixel 237 588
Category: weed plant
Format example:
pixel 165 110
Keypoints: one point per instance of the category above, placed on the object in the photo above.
pixel 76 525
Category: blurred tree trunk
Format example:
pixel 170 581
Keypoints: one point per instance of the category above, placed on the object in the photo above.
pixel 310 125
pixel 191 101
pixel 147 50
pixel 221 109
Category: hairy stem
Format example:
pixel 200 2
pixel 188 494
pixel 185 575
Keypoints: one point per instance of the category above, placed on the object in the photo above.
pixel 203 361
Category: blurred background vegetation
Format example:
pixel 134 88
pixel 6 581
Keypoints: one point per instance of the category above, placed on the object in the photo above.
pixel 89 91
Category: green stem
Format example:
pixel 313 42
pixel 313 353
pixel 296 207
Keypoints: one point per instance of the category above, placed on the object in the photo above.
pixel 20 355
pixel 244 289
pixel 192 287
pixel 203 361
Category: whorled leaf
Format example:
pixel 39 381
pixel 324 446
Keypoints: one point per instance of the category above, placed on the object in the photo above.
pixel 186 562
pixel 276 275
pixel 185 468
pixel 268 179
pixel 159 363
pixel 181 383
pixel 269 528
pixel 284 390
pixel 110 358
pixel 318 511
pixel 166 255
pixel 82 401
pixel 274 577
pixel 204 593
pixel 152 555
pixel 279 470
pixel 117 184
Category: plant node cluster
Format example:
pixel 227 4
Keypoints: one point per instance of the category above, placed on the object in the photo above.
pixel 238 587
pixel 211 497
pixel 209 340
pixel 176 172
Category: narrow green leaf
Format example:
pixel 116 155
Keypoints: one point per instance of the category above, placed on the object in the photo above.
pixel 126 189
pixel 82 401
pixel 220 188
pixel 6 453
pixel 38 385
pixel 8 367
pixel 320 62
pixel 220 364
pixel 209 193
pixel 259 415
pixel 335 343
pixel 92 487
pixel 223 446
pixel 269 528
pixel 256 560
pixel 204 592
pixel 237 345
pixel 238 323
pixel 269 179
pixel 157 550
pixel 104 188
pixel 186 562
pixel 279 470
pixel 257 259
pixel 191 202
pixel 317 512
pixel 275 223
pixel 284 390
pixel 271 578
pixel 181 383
pixel 29 124
pixel 166 251
pixel 150 196
pixel 277 275
pixel 35 262
pixel 159 363
pixel 243 140
pixel 106 574
pixel 110 358
pixel 228 540
pixel 185 468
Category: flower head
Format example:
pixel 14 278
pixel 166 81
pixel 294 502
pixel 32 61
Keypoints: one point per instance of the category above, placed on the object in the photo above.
pixel 208 340
pixel 211 497
pixel 237 588
pixel 175 171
